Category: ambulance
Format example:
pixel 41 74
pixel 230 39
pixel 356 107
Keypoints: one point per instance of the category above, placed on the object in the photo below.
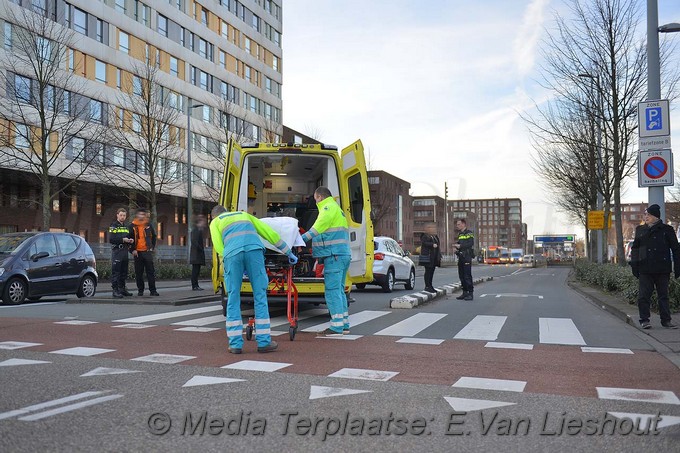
pixel 278 180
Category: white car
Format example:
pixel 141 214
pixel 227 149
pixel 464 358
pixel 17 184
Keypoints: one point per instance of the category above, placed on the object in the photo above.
pixel 391 265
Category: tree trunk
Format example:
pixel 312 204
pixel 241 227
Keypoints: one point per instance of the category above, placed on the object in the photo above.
pixel 46 203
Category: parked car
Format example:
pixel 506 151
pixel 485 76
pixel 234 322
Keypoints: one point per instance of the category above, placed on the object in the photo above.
pixel 33 265
pixel 391 265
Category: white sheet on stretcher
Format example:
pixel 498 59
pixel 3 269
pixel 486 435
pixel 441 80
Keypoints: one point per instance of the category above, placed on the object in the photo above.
pixel 287 227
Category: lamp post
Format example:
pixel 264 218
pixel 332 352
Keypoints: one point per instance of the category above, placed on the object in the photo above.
pixel 190 204
pixel 600 199
pixel 655 194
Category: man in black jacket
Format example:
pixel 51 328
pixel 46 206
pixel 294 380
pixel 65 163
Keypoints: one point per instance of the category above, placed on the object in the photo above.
pixel 651 263
pixel 142 251
pixel 464 248
pixel 120 237
pixel 197 252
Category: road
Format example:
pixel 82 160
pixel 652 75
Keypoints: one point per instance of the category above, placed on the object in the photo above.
pixel 529 365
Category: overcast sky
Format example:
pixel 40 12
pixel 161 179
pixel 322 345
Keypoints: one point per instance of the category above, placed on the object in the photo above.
pixel 432 88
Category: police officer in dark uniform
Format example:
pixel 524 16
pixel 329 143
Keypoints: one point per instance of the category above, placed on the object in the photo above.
pixel 464 248
pixel 120 237
pixel 651 263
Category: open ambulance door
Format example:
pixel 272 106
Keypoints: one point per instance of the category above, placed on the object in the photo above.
pixel 228 198
pixel 356 203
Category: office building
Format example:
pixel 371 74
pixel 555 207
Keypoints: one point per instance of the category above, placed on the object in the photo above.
pixel 498 221
pixel 391 207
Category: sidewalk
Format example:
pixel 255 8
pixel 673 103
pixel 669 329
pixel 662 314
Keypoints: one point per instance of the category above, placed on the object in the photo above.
pixel 172 292
pixel 665 341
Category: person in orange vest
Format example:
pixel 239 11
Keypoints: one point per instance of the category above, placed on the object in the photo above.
pixel 142 251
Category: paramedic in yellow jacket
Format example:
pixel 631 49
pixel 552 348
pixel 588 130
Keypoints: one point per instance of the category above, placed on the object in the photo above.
pixel 330 245
pixel 236 238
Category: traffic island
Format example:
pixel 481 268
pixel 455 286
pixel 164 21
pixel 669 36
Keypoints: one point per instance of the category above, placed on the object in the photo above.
pixel 422 297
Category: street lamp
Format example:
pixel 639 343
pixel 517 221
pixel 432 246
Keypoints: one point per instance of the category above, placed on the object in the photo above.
pixel 596 79
pixel 190 204
pixel 656 194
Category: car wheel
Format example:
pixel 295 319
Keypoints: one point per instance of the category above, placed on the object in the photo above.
pixel 361 286
pixel 411 283
pixel 87 287
pixel 388 286
pixel 15 292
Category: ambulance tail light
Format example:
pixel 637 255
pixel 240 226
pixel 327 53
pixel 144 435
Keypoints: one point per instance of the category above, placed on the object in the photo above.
pixel 379 256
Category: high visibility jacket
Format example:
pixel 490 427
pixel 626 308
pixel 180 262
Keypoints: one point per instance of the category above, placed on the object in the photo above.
pixel 466 240
pixel 330 232
pixel 119 231
pixel 235 232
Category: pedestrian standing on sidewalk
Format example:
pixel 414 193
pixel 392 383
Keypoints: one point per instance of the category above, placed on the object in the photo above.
pixel 120 237
pixel 236 238
pixel 142 251
pixel 465 251
pixel 197 252
pixel 651 262
pixel 430 254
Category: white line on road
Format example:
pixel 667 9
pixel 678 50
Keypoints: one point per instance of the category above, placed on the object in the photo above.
pixel 57 402
pixel 430 341
pixel 29 305
pixel 169 314
pixel 312 313
pixel 354 320
pixel 482 327
pixel 559 331
pixel 82 351
pixel 69 408
pixel 412 325
pixel 500 345
pixel 607 350
pixel 648 396
pixel 490 384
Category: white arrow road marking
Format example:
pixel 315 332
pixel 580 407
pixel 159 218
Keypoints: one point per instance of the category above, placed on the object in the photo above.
pixel 57 402
pixel 367 375
pixel 103 371
pixel 15 362
pixel 17 345
pixel 648 396
pixel 82 351
pixel 666 420
pixel 467 405
pixel 209 380
pixel 559 331
pixel 317 391
pixel 164 358
pixel 256 365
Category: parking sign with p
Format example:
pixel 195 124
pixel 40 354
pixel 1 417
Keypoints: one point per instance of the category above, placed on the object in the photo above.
pixel 653 118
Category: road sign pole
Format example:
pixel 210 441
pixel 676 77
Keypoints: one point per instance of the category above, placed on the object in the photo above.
pixel 600 198
pixel 655 194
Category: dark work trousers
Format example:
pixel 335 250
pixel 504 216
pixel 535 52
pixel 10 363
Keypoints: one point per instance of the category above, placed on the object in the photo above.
pixel 647 284
pixel 195 270
pixel 119 267
pixel 465 275
pixel 144 262
pixel 429 274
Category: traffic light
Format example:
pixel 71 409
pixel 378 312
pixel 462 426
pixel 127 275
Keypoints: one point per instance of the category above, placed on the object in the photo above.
pixel 446 191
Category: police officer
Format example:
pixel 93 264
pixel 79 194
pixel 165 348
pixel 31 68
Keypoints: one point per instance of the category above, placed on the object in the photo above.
pixel 330 246
pixel 236 237
pixel 651 262
pixel 120 236
pixel 465 251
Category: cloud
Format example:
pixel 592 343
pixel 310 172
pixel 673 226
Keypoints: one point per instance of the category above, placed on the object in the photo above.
pixel 526 41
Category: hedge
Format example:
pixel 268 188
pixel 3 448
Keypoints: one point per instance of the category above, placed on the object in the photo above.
pixel 164 271
pixel 619 280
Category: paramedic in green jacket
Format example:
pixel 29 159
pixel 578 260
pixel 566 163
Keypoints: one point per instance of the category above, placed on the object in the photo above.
pixel 236 238
pixel 330 245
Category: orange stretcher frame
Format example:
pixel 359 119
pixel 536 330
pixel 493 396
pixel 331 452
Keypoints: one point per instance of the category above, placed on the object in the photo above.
pixel 281 284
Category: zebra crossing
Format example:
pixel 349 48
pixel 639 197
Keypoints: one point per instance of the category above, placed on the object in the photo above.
pixel 419 328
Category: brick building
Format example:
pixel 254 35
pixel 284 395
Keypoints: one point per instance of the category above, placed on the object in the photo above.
pixel 391 207
pixel 430 209
pixel 498 221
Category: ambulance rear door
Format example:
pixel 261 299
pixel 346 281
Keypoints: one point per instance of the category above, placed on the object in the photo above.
pixel 356 203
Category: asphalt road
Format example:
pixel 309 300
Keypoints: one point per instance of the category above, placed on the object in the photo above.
pixel 529 365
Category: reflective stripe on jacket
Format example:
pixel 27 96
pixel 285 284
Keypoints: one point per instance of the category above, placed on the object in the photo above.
pixel 234 232
pixel 330 232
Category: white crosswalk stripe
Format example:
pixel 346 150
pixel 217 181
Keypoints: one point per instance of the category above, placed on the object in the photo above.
pixel 354 320
pixel 169 315
pixel 559 331
pixel 482 327
pixel 412 326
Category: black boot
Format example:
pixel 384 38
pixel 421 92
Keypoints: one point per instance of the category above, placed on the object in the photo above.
pixel 468 296
pixel 117 294
pixel 462 296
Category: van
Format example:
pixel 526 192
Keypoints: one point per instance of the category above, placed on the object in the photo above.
pixel 272 180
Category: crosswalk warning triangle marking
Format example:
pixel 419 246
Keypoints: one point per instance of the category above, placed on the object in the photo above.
pixel 318 391
pixel 103 371
pixel 209 380
pixel 645 419
pixel 14 362
pixel 467 405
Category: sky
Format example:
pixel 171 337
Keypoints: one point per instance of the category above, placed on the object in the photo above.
pixel 434 89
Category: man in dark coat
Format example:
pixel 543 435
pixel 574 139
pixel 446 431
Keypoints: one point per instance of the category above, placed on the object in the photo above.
pixel 120 237
pixel 430 254
pixel 651 263
pixel 197 252
pixel 464 248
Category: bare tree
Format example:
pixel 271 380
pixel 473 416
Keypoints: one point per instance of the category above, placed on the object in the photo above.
pixel 268 130
pixel 383 206
pixel 46 128
pixel 233 126
pixel 313 131
pixel 600 40
pixel 148 149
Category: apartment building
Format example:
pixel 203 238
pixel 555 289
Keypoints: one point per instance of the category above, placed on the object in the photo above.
pixel 392 207
pixel 498 220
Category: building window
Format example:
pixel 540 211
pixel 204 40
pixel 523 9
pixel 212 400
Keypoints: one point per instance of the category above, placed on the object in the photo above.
pixel 120 6
pixel 275 63
pixel 100 71
pixel 256 22
pixel 8 35
pixel 98 205
pixel 223 58
pixel 118 78
pixel 123 42
pixel 96 108
pixel 203 82
pixel 40 6
pixel 204 17
pixel 100 30
pixel 22 88
pixel 55 205
pixel 80 21
pixel 247 45
pixel 74 206
pixel 174 66
pixel 137 86
pixel 136 123
pixel 21 136
pixel 163 25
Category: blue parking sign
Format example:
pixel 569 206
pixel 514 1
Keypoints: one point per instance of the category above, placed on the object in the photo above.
pixel 654 120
